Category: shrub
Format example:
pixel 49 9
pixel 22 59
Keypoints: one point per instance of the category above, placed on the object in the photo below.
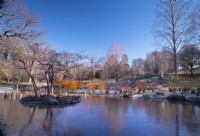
pixel 80 85
pixel 172 89
pixel 73 85
pixel 192 91
pixel 65 84
pixel 107 88
pixel 101 86
pixel 153 86
pixel 198 91
pixel 91 86
pixel 141 85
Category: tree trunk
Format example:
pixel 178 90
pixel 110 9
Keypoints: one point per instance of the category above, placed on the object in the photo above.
pixel 30 79
pixel 175 63
pixel 48 85
pixel 191 72
pixel 106 78
pixel 175 67
pixel 34 86
pixel 116 74
pixel 51 89
pixel 116 77
pixel 19 81
pixel 92 73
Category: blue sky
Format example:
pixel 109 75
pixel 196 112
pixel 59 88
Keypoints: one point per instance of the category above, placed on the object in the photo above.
pixel 92 26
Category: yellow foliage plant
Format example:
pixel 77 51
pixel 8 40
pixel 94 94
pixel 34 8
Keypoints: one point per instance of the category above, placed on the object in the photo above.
pixel 91 86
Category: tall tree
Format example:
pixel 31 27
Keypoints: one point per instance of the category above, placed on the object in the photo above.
pixel 34 52
pixel 92 60
pixel 124 66
pixel 114 58
pixel 190 58
pixel 104 68
pixel 56 63
pixel 194 25
pixel 165 62
pixel 138 66
pixel 16 20
pixel 169 28
pixel 152 62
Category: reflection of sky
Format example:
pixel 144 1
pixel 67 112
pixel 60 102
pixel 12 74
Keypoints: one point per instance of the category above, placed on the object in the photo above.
pixel 105 116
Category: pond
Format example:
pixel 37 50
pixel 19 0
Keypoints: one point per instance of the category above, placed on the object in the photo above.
pixel 101 116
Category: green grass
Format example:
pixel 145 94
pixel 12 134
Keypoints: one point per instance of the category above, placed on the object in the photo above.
pixel 135 78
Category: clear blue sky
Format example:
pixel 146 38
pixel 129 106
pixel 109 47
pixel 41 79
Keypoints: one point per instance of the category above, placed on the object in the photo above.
pixel 92 26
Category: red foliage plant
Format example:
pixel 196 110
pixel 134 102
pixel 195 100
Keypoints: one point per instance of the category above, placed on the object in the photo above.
pixel 153 86
pixel 141 85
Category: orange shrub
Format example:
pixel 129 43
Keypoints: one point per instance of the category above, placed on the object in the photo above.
pixel 69 84
pixel 73 85
pixel 101 86
pixel 141 85
pixel 91 86
pixel 65 84
pixel 80 85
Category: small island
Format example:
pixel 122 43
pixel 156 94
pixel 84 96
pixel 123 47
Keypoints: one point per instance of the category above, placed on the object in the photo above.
pixel 50 100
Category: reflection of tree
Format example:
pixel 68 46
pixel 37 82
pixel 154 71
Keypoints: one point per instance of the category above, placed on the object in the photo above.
pixel 16 119
pixel 113 110
pixel 91 102
pixel 29 121
pixel 191 118
pixel 177 121
pixel 47 125
pixel 116 113
pixel 3 127
pixel 172 114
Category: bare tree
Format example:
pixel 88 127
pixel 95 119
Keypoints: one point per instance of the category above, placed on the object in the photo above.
pixel 8 69
pixel 81 72
pixel 165 62
pixel 16 20
pixel 194 25
pixel 152 62
pixel 103 62
pixel 169 28
pixel 114 58
pixel 124 66
pixel 92 60
pixel 55 64
pixel 138 66
pixel 190 58
pixel 34 53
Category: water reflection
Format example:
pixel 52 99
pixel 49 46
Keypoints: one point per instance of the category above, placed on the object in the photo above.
pixel 48 123
pixel 102 116
pixel 29 121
